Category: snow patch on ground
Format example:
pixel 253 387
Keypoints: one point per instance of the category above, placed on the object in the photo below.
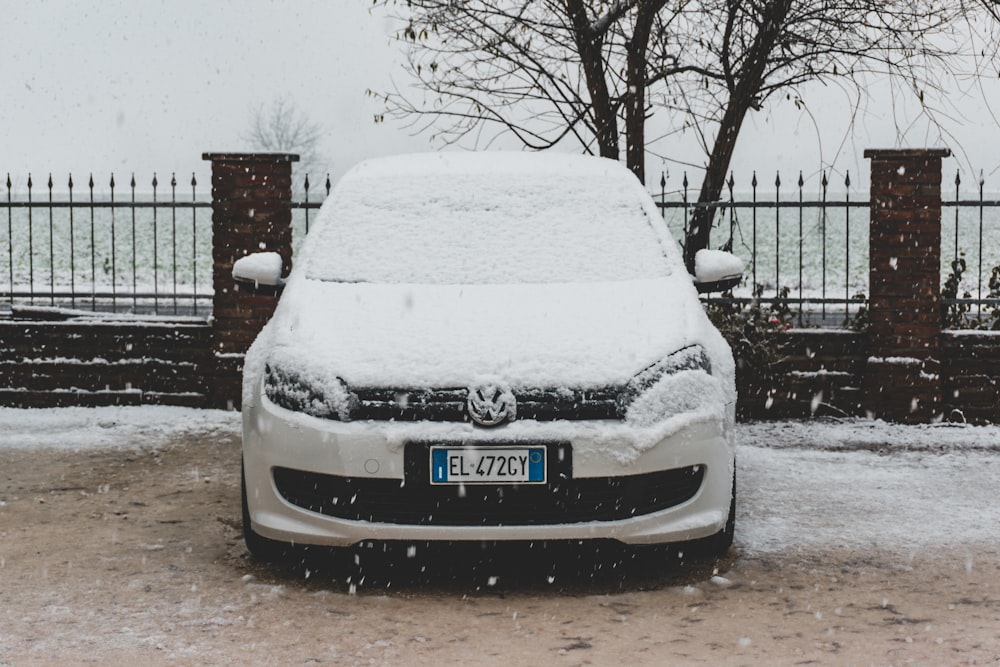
pixel 108 427
pixel 863 484
pixel 867 434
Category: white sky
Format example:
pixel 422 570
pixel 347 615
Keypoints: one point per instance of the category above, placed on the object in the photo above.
pixel 150 86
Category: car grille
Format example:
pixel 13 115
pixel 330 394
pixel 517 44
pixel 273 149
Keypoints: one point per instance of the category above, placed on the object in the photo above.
pixel 450 404
pixel 414 501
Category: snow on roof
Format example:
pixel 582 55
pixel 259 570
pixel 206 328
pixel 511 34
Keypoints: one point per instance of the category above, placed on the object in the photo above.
pixel 489 218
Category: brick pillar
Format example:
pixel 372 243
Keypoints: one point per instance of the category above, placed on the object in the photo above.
pixel 902 379
pixel 251 212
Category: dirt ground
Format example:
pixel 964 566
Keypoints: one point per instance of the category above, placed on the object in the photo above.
pixel 125 557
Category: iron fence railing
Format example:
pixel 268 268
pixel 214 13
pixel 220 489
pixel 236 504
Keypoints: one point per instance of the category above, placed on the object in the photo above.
pixel 980 218
pixel 814 243
pixel 147 249
pixel 301 209
pixel 809 253
pixel 139 252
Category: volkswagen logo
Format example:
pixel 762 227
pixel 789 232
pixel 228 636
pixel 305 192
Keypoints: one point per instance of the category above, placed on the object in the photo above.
pixel 492 404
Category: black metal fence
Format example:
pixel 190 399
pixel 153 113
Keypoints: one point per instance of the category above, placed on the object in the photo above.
pixel 974 234
pixel 107 250
pixel 807 246
pixel 146 250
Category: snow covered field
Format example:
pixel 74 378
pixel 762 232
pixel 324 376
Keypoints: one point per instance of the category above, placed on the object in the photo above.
pixel 824 483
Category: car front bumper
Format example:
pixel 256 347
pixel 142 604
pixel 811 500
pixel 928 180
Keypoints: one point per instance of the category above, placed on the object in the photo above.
pixel 274 437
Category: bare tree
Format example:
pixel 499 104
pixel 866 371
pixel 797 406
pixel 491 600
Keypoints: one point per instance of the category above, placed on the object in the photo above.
pixel 591 71
pixel 546 71
pixel 764 47
pixel 281 127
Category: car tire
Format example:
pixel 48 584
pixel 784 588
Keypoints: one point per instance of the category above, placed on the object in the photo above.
pixel 261 548
pixel 724 538
pixel 718 545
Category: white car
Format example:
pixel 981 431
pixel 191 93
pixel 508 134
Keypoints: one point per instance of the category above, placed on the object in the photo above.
pixel 488 346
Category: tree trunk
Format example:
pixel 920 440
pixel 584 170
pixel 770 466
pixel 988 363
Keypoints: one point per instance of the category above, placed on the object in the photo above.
pixel 589 45
pixel 635 97
pixel 747 85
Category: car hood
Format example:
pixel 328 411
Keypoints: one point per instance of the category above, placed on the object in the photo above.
pixel 527 335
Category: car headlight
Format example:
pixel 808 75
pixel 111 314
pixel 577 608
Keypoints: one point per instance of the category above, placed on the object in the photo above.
pixel 326 398
pixel 691 358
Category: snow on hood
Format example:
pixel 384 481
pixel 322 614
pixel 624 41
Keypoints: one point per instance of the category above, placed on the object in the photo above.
pixel 559 335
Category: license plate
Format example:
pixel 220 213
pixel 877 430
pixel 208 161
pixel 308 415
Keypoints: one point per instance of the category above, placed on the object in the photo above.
pixel 488 465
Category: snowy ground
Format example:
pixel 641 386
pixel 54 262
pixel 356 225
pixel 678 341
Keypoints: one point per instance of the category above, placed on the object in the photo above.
pixel 857 543
pixel 842 483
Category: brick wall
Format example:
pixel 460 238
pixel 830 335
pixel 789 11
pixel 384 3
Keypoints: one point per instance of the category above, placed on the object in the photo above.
pixel 970 376
pixel 92 361
pixel 820 372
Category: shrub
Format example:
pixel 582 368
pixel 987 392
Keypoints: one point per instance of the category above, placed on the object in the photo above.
pixel 754 329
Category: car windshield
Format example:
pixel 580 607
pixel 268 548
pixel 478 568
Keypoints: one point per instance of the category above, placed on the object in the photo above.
pixel 486 219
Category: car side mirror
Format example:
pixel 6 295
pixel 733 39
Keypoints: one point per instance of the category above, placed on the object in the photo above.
pixel 716 271
pixel 261 271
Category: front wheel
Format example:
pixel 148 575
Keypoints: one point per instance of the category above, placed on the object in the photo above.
pixel 718 545
pixel 261 548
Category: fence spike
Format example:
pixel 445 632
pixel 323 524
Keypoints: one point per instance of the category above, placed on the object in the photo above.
pixel 328 184
pixel 50 182
pixel 777 179
pixel 801 182
pixel 132 182
pixel 91 183
pixel 112 180
pixel 194 182
pixel 685 181
pixel 305 184
pixel 824 182
pixel 154 180
pixel 71 181
pixel 731 182
pixel 173 180
pixel 8 180
pixel 982 179
pixel 29 181
pixel 663 179
pixel 847 179
pixel 753 181
pixel 958 178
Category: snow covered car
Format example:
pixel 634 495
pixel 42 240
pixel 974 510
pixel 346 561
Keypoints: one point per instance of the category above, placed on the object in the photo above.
pixel 488 346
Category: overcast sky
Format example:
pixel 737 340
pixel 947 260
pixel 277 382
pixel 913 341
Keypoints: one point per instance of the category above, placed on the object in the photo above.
pixel 150 86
